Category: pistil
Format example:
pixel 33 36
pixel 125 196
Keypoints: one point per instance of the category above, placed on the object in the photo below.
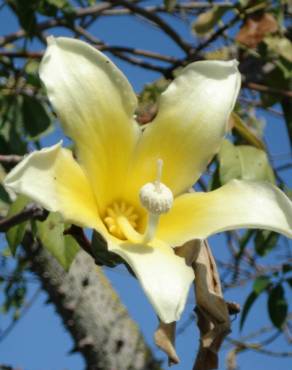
pixel 157 198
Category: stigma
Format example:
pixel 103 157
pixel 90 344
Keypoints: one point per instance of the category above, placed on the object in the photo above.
pixel 157 198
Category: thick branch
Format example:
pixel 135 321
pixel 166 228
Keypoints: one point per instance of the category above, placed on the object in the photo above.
pixel 91 311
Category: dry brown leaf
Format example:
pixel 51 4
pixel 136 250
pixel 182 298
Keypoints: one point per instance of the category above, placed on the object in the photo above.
pixel 231 361
pixel 212 310
pixel 255 28
pixel 164 338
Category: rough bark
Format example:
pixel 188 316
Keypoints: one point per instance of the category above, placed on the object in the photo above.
pixel 91 311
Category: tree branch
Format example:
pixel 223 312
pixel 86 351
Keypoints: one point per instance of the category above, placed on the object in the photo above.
pixel 154 18
pixel 91 311
pixel 30 212
pixel 179 7
pixel 10 158
pixel 267 89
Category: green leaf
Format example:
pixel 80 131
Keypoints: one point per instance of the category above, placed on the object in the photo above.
pixel 214 183
pixel 280 45
pixel 243 162
pixel 277 306
pixel 247 305
pixel 4 196
pixel 6 252
pixel 278 78
pixel 265 241
pixel 260 285
pixel 206 21
pixel 170 5
pixel 58 3
pixel 289 281
pixel 31 73
pixel 11 130
pixel 51 233
pixel 101 253
pixel 222 53
pixel 286 268
pixel 25 10
pixel 36 118
pixel 52 7
pixel 15 234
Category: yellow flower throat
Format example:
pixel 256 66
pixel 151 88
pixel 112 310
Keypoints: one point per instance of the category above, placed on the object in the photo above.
pixel 124 222
pixel 118 212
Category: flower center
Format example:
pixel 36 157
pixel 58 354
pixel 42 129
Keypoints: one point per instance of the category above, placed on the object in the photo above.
pixel 122 219
pixel 116 212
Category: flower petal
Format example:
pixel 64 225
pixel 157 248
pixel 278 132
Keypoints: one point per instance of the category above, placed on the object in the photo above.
pixel 95 104
pixel 164 276
pixel 238 204
pixel 191 122
pixel 52 178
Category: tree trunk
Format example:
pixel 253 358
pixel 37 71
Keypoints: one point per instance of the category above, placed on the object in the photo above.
pixel 91 311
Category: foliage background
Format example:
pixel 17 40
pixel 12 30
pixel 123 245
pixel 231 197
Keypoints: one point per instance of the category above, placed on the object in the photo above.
pixel 255 267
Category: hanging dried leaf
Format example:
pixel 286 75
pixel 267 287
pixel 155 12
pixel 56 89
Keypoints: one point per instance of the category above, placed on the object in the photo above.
pixel 212 310
pixel 164 338
pixel 255 28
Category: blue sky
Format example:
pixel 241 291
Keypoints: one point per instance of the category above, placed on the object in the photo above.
pixel 39 341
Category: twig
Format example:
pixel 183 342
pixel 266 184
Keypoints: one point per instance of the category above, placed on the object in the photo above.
pixel 258 348
pixel 141 52
pixel 7 367
pixel 284 167
pixel 267 89
pixel 141 63
pixel 21 54
pixel 10 158
pixel 196 5
pixel 154 18
pixel 78 234
pixel 195 52
pixel 216 34
pixel 115 50
pixel 258 104
pixel 102 46
pixel 79 13
pixel 31 211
